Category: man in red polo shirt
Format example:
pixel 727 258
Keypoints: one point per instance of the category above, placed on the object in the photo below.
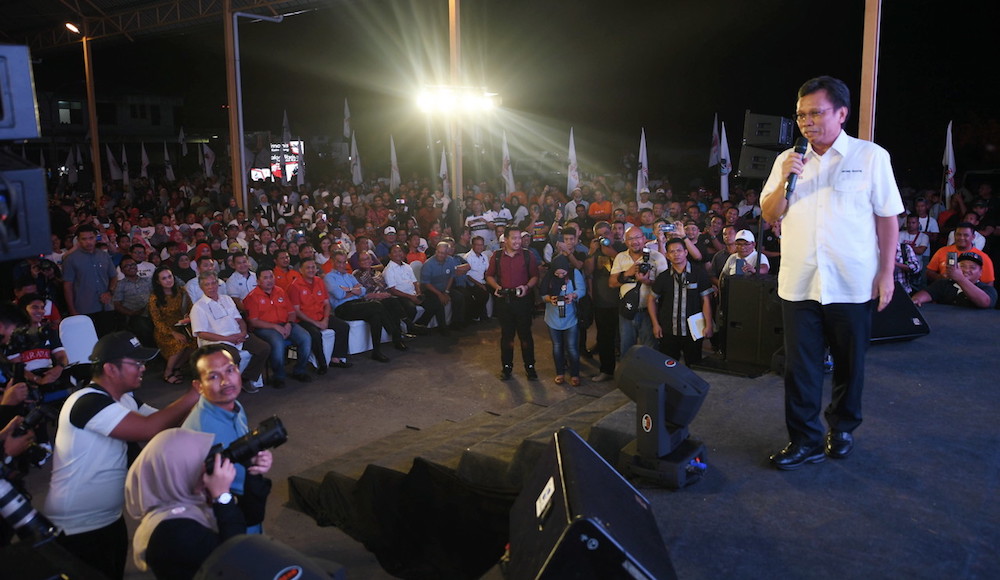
pixel 312 307
pixel 513 274
pixel 272 317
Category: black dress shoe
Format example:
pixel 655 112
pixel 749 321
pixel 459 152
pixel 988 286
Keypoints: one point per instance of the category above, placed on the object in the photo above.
pixel 505 372
pixel 530 371
pixel 400 345
pixel 418 329
pixel 322 370
pixel 839 444
pixel 795 456
pixel 341 364
pixel 377 356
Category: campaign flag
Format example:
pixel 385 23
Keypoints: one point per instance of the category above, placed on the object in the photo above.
pixel 394 179
pixel 356 177
pixel 506 171
pixel 209 160
pixel 71 175
pixel 949 167
pixel 125 180
pixel 347 121
pixel 725 165
pixel 144 161
pixel 713 153
pixel 573 172
pixel 300 170
pixel 183 142
pixel 443 173
pixel 642 177
pixel 79 156
pixel 113 168
pixel 286 131
pixel 167 164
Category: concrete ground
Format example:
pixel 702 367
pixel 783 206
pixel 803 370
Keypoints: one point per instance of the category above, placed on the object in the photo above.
pixel 915 499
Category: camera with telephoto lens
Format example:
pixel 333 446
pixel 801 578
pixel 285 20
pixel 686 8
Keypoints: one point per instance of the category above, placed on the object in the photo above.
pixel 268 435
pixel 15 508
pixel 645 266
pixel 36 454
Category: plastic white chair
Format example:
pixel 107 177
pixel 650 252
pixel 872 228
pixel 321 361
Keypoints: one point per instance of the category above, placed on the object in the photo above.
pixel 79 337
pixel 416 267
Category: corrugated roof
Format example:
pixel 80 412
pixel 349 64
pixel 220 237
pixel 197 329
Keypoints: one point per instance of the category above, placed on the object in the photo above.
pixel 41 24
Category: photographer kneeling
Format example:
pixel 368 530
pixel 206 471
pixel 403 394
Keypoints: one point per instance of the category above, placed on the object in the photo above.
pixel 185 512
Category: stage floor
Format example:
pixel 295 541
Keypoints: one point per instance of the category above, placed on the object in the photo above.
pixel 916 499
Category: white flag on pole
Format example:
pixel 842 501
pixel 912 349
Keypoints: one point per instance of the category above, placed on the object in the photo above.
pixel 443 173
pixel 572 172
pixel 79 156
pixel 168 166
pixel 506 171
pixel 209 160
pixel 642 177
pixel 144 162
pixel 394 179
pixel 71 175
pixel 286 131
pixel 113 168
pixel 347 121
pixel 300 173
pixel 125 179
pixel 725 165
pixel 713 153
pixel 247 159
pixel 355 161
pixel 183 142
pixel 949 168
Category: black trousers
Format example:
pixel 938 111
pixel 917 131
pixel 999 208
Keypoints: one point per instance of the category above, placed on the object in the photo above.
pixel 515 318
pixel 673 346
pixel 341 346
pixel 377 317
pixel 476 304
pixel 104 549
pixel 809 326
pixel 432 309
pixel 398 311
pixel 606 321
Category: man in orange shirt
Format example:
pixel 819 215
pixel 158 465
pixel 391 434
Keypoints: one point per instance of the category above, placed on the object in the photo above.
pixel 312 307
pixel 271 317
pixel 964 234
pixel 284 276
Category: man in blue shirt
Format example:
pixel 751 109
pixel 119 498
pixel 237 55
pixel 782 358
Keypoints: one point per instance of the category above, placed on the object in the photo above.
pixel 217 378
pixel 438 277
pixel 345 300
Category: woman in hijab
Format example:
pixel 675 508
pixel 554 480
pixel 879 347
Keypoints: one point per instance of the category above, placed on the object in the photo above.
pixel 186 513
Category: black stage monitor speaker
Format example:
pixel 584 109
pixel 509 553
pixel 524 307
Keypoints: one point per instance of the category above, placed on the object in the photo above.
pixel 578 518
pixel 901 320
pixel 754 326
pixel 769 131
pixel 755 162
pixel 18 107
pixel 257 557
pixel 24 211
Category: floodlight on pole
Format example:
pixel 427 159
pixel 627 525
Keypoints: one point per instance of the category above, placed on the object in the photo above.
pixel 95 145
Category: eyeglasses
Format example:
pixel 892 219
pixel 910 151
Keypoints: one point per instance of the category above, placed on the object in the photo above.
pixel 811 115
pixel 137 364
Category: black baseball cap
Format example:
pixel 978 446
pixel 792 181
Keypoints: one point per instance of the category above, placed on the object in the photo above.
pixel 119 345
pixel 970 257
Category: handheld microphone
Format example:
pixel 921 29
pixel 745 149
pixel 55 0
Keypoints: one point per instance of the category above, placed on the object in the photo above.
pixel 800 147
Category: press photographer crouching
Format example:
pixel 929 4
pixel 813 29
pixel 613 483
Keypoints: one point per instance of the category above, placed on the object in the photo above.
pixel 217 412
pixel 185 512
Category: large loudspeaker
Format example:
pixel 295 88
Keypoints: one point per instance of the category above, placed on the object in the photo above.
pixel 254 556
pixel 755 162
pixel 24 212
pixel 578 518
pixel 901 320
pixel 18 107
pixel 754 326
pixel 769 131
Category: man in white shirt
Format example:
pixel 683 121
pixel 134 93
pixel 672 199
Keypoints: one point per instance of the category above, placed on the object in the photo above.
pixel 402 283
pixel 478 259
pixel 215 318
pixel 838 249
pixel 243 280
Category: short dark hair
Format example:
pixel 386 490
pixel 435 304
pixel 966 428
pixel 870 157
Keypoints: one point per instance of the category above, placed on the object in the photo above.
pixel 836 91
pixel 207 350
pixel 673 241
pixel 86 228
pixel 967 225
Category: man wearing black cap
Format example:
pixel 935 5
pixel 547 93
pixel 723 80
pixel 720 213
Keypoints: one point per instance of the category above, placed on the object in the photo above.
pixel 962 286
pixel 98 428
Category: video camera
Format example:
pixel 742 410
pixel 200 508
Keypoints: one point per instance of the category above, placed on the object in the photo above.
pixel 268 435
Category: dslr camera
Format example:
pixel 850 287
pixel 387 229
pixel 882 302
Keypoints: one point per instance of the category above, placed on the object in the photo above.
pixel 645 266
pixel 268 435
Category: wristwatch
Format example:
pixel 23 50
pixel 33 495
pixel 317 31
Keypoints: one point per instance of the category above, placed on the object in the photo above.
pixel 225 498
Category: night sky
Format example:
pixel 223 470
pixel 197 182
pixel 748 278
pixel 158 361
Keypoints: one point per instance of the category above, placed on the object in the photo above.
pixel 607 69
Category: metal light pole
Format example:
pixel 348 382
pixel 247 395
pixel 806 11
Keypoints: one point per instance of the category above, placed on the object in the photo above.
pixel 235 96
pixel 95 145
pixel 454 126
